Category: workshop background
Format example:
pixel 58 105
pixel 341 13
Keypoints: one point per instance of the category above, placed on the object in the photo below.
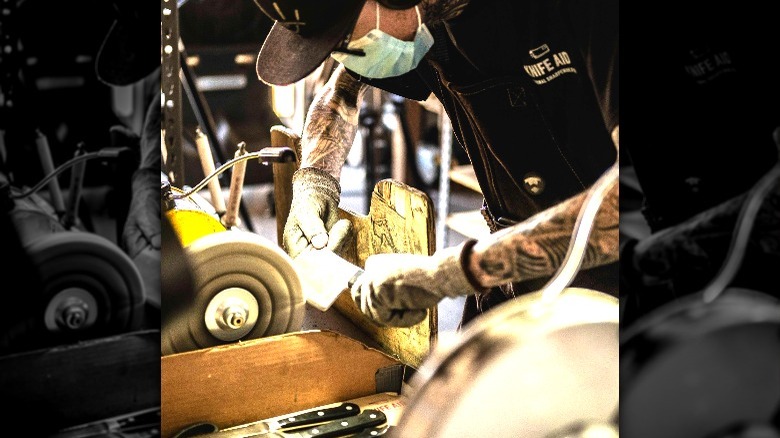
pixel 397 139
pixel 100 340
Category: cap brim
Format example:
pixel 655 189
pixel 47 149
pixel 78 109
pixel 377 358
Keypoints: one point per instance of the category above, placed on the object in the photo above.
pixel 126 55
pixel 287 57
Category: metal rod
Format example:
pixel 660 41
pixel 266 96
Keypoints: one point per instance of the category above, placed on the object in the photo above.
pixel 443 207
pixel 207 164
pixel 230 219
pixel 203 115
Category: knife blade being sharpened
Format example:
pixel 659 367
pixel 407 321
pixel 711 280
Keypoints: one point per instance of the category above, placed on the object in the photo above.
pixel 293 421
pixel 324 275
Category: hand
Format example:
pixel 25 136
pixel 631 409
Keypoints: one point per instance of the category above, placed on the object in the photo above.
pixel 142 228
pixel 313 218
pixel 397 289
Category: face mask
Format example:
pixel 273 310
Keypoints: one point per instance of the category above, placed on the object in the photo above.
pixel 386 56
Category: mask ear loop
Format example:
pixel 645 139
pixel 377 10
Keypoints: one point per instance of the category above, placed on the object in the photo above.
pixel 419 19
pixel 377 15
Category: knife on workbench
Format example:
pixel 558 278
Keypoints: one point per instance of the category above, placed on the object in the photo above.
pixel 335 428
pixel 373 431
pixel 292 421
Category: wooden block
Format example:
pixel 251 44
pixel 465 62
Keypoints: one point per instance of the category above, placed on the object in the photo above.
pixel 465 176
pixel 469 223
pixel 400 220
pixel 267 377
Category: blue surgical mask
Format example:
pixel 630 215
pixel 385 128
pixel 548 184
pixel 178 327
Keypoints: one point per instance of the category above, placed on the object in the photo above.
pixel 386 56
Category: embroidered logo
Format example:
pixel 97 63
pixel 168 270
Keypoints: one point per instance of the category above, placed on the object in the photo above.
pixel 704 65
pixel 548 66
pixel 539 51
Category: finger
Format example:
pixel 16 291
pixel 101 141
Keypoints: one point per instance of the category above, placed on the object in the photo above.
pixel 156 241
pixel 339 234
pixel 313 229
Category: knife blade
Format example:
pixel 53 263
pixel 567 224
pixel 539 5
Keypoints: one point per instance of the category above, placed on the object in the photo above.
pixel 324 275
pixel 296 420
pixel 337 428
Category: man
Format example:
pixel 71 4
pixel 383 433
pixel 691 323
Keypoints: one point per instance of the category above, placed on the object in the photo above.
pixel 531 89
pixel 703 139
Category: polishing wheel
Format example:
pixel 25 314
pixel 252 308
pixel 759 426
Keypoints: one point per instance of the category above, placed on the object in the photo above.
pixel 90 286
pixel 245 288
pixel 523 369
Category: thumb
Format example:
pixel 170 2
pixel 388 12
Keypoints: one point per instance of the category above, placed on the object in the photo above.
pixel 339 234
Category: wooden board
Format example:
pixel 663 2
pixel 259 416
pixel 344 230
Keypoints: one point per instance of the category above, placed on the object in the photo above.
pixel 469 223
pixel 465 176
pixel 267 377
pixel 400 220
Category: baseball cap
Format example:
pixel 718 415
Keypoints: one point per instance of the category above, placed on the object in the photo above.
pixel 129 52
pixel 304 34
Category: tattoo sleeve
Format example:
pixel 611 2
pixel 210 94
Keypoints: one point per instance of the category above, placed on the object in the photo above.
pixel 331 123
pixel 536 248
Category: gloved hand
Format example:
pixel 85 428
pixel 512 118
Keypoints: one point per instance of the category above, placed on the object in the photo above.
pixel 142 227
pixel 313 215
pixel 397 289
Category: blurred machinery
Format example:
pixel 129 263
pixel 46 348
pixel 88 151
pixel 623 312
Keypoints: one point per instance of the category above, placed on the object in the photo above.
pixel 706 364
pixel 243 286
pixel 83 312
pixel 89 286
pixel 544 364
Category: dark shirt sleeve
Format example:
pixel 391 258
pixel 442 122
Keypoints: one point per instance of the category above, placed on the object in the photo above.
pixel 594 25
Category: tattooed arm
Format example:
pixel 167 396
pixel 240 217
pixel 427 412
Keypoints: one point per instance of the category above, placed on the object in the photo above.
pixel 398 289
pixel 331 123
pixel 536 247
pixel 328 135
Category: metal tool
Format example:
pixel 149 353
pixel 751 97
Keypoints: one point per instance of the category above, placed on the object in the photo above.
pixel 325 275
pixel 207 163
pixel 230 219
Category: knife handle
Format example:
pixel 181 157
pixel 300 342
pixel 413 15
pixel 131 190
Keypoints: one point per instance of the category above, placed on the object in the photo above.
pixel 346 426
pixel 316 416
pixel 372 432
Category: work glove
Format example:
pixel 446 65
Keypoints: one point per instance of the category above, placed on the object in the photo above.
pixel 313 218
pixel 397 289
pixel 142 227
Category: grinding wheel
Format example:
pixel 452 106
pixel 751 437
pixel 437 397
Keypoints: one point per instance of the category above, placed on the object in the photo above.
pixel 245 288
pixel 91 287
pixel 523 369
pixel 703 370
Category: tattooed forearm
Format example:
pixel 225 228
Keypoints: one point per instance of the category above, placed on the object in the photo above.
pixel 536 247
pixel 331 123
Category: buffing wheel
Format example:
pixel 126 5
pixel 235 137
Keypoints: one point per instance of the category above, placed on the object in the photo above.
pixel 91 287
pixel 245 288
pixel 693 369
pixel 522 369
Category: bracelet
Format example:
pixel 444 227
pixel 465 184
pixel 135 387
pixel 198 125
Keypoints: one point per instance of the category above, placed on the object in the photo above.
pixel 465 254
